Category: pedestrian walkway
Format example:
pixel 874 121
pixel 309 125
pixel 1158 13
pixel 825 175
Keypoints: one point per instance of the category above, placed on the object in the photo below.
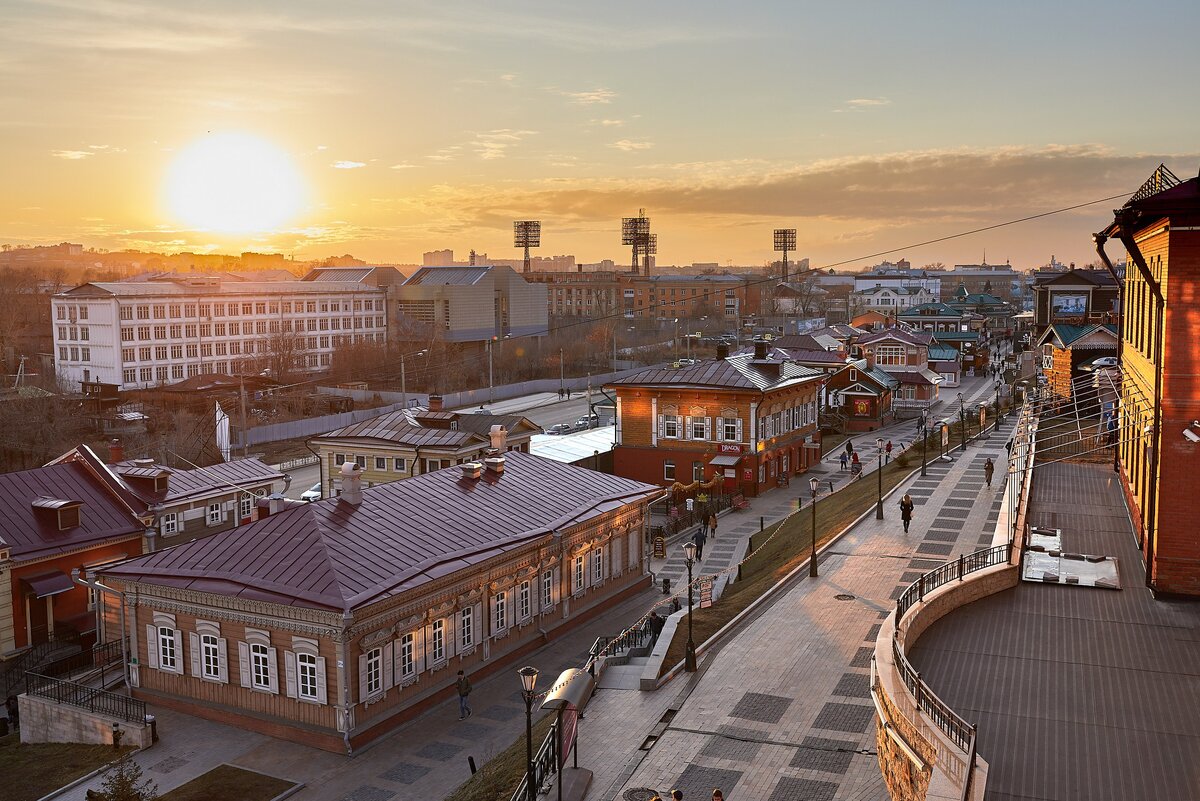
pixel 781 710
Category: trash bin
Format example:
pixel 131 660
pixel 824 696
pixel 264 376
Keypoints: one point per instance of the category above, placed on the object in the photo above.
pixel 666 586
pixel 153 724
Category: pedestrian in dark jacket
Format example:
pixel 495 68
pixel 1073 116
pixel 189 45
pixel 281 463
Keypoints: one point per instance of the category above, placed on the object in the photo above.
pixel 849 447
pixel 988 469
pixel 700 538
pixel 844 460
pixel 906 510
pixel 464 689
pixel 887 449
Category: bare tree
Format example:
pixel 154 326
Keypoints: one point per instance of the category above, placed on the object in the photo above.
pixel 283 353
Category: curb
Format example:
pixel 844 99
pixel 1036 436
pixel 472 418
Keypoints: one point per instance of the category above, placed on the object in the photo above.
pixel 83 779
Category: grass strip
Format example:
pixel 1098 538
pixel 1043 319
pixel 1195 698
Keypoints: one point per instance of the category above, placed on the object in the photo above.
pixel 31 770
pixel 497 780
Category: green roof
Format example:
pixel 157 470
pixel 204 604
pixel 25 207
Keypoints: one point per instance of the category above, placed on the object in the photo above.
pixel 955 336
pixel 942 353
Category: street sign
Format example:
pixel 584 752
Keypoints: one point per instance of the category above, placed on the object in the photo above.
pixel 660 547
pixel 691 505
pixel 706 591
pixel 945 435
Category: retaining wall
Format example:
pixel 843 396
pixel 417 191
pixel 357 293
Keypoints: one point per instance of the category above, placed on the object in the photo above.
pixel 46 721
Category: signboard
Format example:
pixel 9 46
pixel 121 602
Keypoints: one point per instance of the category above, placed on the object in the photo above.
pixel 982 417
pixel 1068 304
pixel 691 504
pixel 730 447
pixel 945 435
pixel 747 474
pixel 862 408
pixel 660 547
pixel 706 591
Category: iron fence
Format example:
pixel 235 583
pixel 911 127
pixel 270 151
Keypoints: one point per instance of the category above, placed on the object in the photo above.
pixel 102 657
pixel 545 764
pixel 73 693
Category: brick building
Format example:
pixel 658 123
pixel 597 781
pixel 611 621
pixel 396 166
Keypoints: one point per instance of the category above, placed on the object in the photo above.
pixel 1160 230
pixel 904 355
pixel 333 622
pixel 751 418
pixel 1064 348
pixel 861 395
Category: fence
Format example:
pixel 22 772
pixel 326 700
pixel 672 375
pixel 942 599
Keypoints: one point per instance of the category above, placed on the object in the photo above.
pixel 104 657
pixel 685 519
pixel 79 695
pixel 545 763
pixel 292 464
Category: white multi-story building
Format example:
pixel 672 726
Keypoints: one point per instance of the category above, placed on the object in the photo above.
pixel 145 334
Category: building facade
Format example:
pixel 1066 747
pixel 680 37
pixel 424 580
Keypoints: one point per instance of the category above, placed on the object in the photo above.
pixel 1074 297
pixel 144 334
pixel 861 396
pixel 332 623
pixel 905 356
pixel 471 304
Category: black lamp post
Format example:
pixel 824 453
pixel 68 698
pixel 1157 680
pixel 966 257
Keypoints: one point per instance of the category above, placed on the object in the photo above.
pixel 998 385
pixel 813 484
pixel 962 421
pixel 689 656
pixel 924 438
pixel 528 680
pixel 879 473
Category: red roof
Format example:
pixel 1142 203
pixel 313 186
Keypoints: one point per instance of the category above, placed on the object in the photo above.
pixel 335 555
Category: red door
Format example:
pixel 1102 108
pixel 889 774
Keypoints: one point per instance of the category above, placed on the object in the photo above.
pixel 39 629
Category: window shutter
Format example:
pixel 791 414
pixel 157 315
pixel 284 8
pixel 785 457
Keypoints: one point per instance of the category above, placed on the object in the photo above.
pixel 720 429
pixel 708 428
pixel 687 427
pixel 322 698
pixel 152 646
pixel 389 671
pixel 273 667
pixel 739 430
pixel 194 652
pixel 615 565
pixel 289 668
pixel 633 554
pixel 362 678
pixel 222 660
pixel 179 652
pixel 661 426
pixel 477 635
pixel 419 650
pixel 244 663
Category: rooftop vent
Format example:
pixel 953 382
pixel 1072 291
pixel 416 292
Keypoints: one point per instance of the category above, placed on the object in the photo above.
pixel 351 483
pixel 471 470
pixel 722 350
pixel 760 349
pixel 499 436
pixel 495 465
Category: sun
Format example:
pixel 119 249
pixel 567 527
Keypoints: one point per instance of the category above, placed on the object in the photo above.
pixel 234 183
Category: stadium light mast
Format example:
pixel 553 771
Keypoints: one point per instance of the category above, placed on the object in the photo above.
pixel 527 234
pixel 785 240
pixel 635 231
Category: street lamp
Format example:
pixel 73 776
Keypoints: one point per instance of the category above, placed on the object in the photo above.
pixel 403 388
pixel 962 421
pixel 813 484
pixel 879 473
pixel 676 339
pixel 924 438
pixel 998 385
pixel 528 680
pixel 689 658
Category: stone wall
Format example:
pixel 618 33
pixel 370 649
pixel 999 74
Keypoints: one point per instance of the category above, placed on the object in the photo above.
pixel 45 721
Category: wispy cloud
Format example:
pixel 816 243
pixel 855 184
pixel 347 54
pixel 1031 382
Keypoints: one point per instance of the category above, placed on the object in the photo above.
pixel 862 104
pixel 404 165
pixel 629 145
pixel 348 165
pixel 72 155
pixel 609 123
pixel 588 97
pixel 508 77
pixel 446 153
pixel 495 144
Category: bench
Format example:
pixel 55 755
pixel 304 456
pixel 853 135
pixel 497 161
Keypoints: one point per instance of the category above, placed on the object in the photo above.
pixel 739 502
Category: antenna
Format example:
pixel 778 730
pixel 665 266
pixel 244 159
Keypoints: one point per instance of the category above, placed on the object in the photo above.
pixel 785 240
pixel 527 234
pixel 635 231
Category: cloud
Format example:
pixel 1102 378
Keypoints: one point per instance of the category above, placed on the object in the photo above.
pixel 98 147
pixel 609 123
pixel 446 153
pixel 348 165
pixel 404 165
pixel 862 104
pixel 629 145
pixel 588 98
pixel 494 144
pixel 322 147
pixel 72 155
pixel 508 78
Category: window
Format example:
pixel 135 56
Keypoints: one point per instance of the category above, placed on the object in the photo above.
pixel 730 424
pixel 381 463
pixel 143 354
pixel 524 601
pixel 145 374
pixel 143 312
pixel 160 312
pixel 580 575
pixel 205 310
pixel 189 330
pixel 597 565
pixel 374 671
pixel 129 376
pixel 85 355
pixel 168 659
pixel 125 313
pixel 361 461
pixel 547 589
pixel 697 471
pixel 62 354
pixel 214 514
pixel 438 641
pixel 408 664
pixel 210 656
pixel 398 465
pixel 126 334
pixel 143 332
pixel 466 629
pixel 339 458
pixel 306 676
pixel 160 332
pixel 245 505
pixel 501 616
pixel 169 524
pixel 668 470
pixel 192 351
pixel 670 427
pixel 699 428
pixel 260 666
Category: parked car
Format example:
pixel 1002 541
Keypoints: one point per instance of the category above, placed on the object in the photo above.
pixel 561 428
pixel 311 494
pixel 1102 363
pixel 588 421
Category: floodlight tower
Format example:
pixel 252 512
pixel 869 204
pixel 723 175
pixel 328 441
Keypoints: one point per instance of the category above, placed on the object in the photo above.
pixel 785 240
pixel 527 234
pixel 651 248
pixel 635 231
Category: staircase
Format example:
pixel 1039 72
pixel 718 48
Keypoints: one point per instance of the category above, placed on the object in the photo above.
pixel 12 677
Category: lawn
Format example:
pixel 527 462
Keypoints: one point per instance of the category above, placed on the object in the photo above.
pixel 31 771
pixel 497 780
pixel 227 783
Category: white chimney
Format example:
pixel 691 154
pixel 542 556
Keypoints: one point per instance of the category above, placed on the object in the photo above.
pixel 499 438
pixel 471 470
pixel 495 464
pixel 351 483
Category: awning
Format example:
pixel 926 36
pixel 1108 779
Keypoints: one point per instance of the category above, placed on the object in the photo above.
pixel 726 460
pixel 45 584
pixel 572 690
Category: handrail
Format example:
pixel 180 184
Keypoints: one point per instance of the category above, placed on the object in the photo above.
pixel 545 763
pixel 73 693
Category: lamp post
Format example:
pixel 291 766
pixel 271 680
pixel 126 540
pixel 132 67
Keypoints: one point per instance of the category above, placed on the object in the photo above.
pixel 998 385
pixel 813 484
pixel 924 438
pixel 962 421
pixel 676 339
pixel 689 657
pixel 879 473
pixel 403 388
pixel 528 681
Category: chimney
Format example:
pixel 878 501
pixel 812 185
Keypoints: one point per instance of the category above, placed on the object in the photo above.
pixel 351 483
pixel 722 350
pixel 499 437
pixel 495 465
pixel 116 451
pixel 760 349
pixel 275 503
pixel 435 403
pixel 869 355
pixel 471 470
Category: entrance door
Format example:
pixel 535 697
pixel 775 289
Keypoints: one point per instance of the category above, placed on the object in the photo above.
pixel 39 628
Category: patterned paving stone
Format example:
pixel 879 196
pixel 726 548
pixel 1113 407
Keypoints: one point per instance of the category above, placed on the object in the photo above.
pixel 844 717
pixel 502 712
pixel 827 756
pixel 949 511
pixel 936 548
pixel 925 564
pixel 872 633
pixel 919 501
pixel 697 781
pixel 761 707
pixel 940 536
pixel 947 522
pixel 910 576
pixel 473 732
pixel 853 685
pixel 735 750
pixel 791 788
pixel 897 591
pixel 862 658
pixel 958 502
pixel 401 772
pixel 921 491
pixel 974 485
pixel 439 751
pixel 368 793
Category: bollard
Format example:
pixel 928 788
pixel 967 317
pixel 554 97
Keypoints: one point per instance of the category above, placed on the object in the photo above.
pixel 471 765
pixel 761 524
pixel 666 586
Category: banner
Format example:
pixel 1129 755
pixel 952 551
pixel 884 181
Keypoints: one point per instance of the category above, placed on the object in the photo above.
pixel 706 591
pixel 945 435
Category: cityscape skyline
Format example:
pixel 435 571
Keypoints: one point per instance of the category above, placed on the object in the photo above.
pixel 421 127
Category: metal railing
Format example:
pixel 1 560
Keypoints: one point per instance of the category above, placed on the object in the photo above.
pixel 950 571
pixel 292 464
pixel 73 693
pixel 685 519
pixel 14 671
pixel 545 764
pixel 101 657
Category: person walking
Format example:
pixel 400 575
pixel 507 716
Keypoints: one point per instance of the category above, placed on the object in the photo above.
pixel 849 447
pixel 677 795
pixel 855 465
pixel 906 510
pixel 887 449
pixel 463 685
pixel 988 469
pixel 712 525
pixel 718 795
pixel 700 538
pixel 844 459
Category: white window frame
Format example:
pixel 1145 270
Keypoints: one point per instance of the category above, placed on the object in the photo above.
pixel 212 514
pixel 670 426
pixel 437 641
pixel 210 656
pixel 524 601
pixel 466 628
pixel 168 656
pixel 245 505
pixel 701 424
pixel 169 524
pixel 260 666
pixel 597 565
pixel 408 655
pixel 374 671
pixel 307 677
pixel 547 589
pixel 500 611
pixel 580 573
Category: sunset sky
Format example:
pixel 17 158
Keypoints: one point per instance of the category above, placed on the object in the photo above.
pixel 384 129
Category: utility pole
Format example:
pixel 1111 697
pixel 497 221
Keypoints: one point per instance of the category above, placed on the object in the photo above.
pixel 491 346
pixel 562 375
pixel 242 399
pixel 403 389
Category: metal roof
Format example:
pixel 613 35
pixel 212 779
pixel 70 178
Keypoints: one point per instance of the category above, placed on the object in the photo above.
pixel 334 555
pixel 735 372
pixel 405 427
pixel 448 276
pixel 571 448
pixel 196 481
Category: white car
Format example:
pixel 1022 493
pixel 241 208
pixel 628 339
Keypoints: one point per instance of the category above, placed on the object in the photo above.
pixel 311 494
pixel 1105 361
pixel 588 421
pixel 561 428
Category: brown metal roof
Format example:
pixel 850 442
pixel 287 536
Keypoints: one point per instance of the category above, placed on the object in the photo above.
pixel 334 555
pixel 735 372
pixel 444 429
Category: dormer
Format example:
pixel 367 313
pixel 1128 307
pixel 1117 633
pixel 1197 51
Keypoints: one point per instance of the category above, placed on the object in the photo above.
pixel 58 513
pixel 146 476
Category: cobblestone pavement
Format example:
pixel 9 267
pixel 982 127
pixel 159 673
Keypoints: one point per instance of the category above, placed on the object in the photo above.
pixel 781 710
